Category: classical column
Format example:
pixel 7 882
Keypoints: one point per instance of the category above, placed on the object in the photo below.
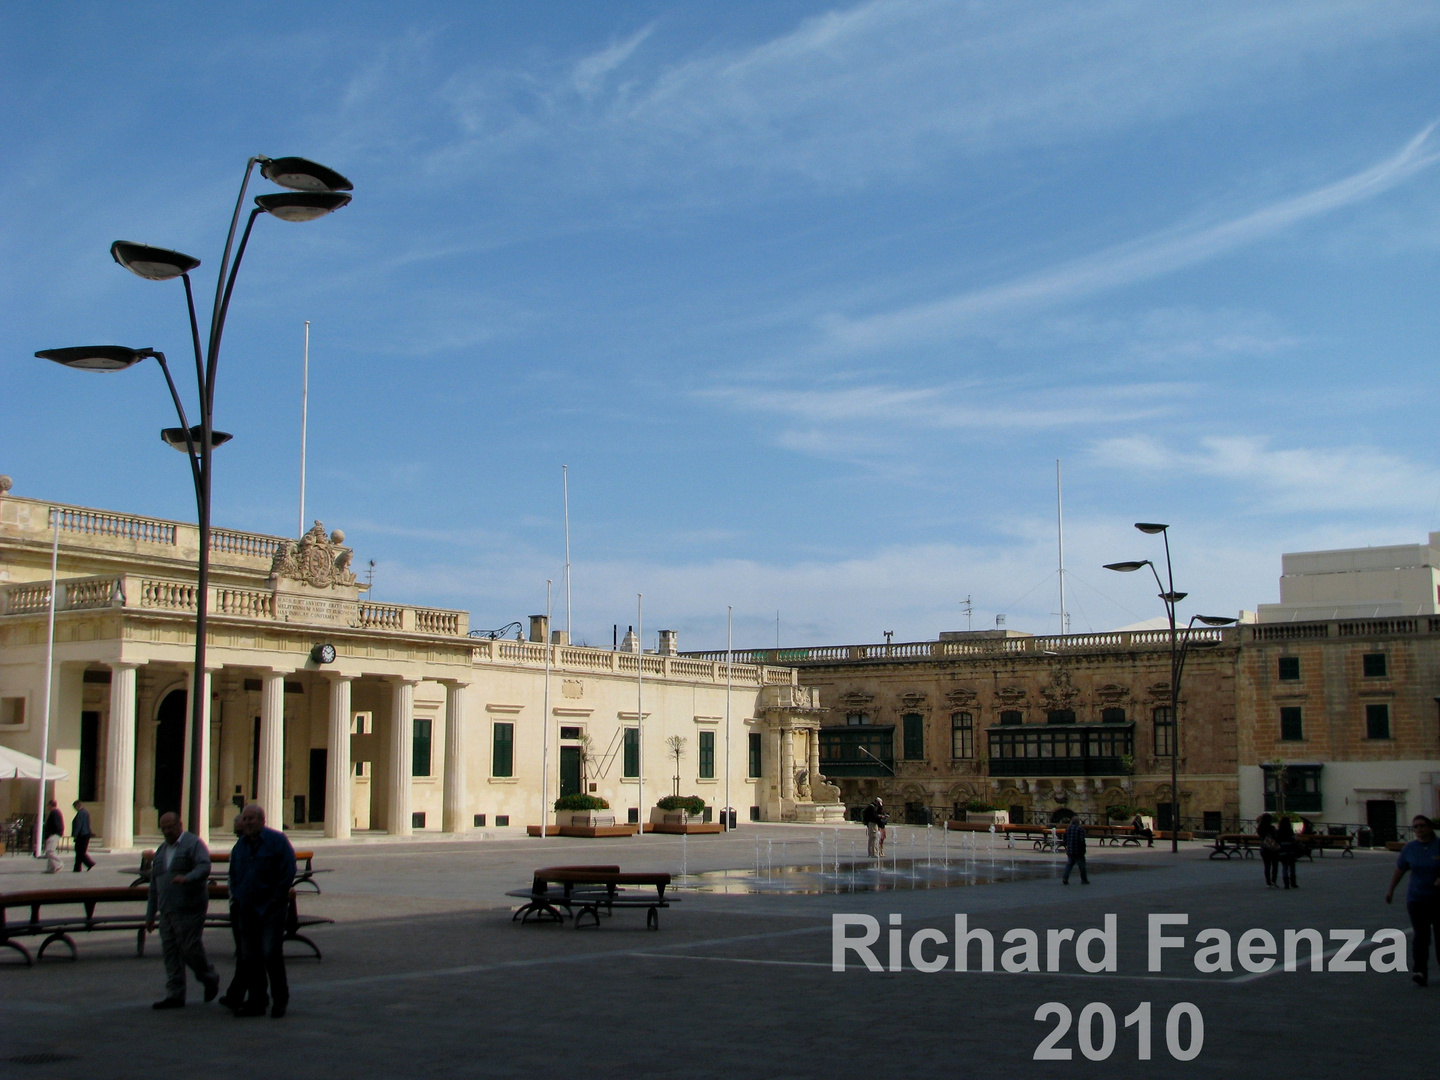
pixel 787 764
pixel 270 781
pixel 813 736
pixel 337 783
pixel 119 824
pixel 402 735
pixel 456 803
pixel 201 828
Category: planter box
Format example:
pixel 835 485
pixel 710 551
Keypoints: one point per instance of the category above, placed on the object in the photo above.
pixel 988 817
pixel 585 819
pixel 673 817
pixel 692 828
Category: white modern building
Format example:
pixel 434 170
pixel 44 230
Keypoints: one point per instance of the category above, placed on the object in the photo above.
pixel 1358 583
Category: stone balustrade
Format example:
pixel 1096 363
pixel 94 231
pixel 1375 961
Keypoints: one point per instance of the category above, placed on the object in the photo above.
pixel 130 591
pixel 579 659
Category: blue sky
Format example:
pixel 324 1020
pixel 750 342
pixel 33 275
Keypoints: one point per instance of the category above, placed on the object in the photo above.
pixel 809 298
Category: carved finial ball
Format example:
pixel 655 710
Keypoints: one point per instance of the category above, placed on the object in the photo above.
pixel 337 537
pixel 6 484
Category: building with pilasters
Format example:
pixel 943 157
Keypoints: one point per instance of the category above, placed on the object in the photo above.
pixel 411 726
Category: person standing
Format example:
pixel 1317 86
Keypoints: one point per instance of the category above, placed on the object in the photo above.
pixel 1421 857
pixel 80 833
pixel 50 836
pixel 234 995
pixel 875 820
pixel 179 898
pixel 1289 852
pixel 1269 849
pixel 262 869
pixel 1075 851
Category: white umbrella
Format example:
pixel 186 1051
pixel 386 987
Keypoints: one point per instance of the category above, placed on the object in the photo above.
pixel 17 766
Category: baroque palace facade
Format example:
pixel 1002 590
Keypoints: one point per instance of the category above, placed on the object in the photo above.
pixel 413 727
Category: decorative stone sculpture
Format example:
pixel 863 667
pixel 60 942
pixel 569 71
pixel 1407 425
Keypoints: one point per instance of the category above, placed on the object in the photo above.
pixel 317 560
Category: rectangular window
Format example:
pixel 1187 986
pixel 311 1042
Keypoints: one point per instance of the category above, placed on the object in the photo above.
pixel 502 756
pixel 754 762
pixel 1011 716
pixel 914 737
pixel 855 719
pixel 570 733
pixel 1060 716
pixel 502 820
pixel 1373 664
pixel 1377 721
pixel 479 821
pixel 420 749
pixel 1291 726
pixel 962 735
pixel 1112 716
pixel 12 711
pixel 1289 668
pixel 1297 786
pixel 632 752
pixel 89 755
pixel 1164 731
pixel 707 755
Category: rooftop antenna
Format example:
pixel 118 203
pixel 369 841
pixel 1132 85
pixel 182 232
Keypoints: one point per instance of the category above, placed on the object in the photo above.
pixel 777 628
pixel 1060 528
pixel 565 481
pixel 369 578
pixel 969 611
pixel 304 417
pixel 888 635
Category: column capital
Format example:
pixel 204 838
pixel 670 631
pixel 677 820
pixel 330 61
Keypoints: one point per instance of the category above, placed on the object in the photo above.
pixel 453 684
pixel 334 676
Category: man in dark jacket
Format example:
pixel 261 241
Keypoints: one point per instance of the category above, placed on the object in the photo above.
pixel 262 869
pixel 1075 851
pixel 875 820
pixel 80 833
pixel 179 898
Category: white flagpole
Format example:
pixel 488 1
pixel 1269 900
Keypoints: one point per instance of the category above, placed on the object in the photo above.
pixel 304 419
pixel 49 677
pixel 729 660
pixel 565 481
pixel 545 730
pixel 640 711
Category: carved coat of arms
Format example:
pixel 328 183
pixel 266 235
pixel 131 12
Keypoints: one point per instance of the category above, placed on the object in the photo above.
pixel 317 560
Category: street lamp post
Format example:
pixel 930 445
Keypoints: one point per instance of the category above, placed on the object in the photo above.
pixel 1171 598
pixel 314 192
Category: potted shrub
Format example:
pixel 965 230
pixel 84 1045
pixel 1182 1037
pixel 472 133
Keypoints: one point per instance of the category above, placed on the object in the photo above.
pixel 1121 814
pixel 580 810
pixel 677 810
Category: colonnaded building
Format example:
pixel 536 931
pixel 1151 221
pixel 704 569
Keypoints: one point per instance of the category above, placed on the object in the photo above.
pixel 413 727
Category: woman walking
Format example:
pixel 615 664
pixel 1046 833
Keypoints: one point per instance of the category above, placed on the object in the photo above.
pixel 1289 852
pixel 1269 849
pixel 1421 857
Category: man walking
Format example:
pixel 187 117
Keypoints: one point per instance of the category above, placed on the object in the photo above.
pixel 875 820
pixel 50 836
pixel 80 833
pixel 179 897
pixel 1075 851
pixel 262 869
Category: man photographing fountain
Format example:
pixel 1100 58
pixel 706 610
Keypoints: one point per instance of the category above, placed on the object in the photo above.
pixel 875 820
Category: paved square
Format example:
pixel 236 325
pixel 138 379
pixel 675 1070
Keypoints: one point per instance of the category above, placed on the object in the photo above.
pixel 425 974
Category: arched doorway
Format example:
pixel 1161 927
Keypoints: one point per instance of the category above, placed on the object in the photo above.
pixel 170 752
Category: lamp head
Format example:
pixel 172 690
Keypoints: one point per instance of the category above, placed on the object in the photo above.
pixel 97 357
pixel 152 263
pixel 300 174
pixel 174 437
pixel 301 205
pixel 1173 597
pixel 1215 620
pixel 1127 567
pixel 1150 527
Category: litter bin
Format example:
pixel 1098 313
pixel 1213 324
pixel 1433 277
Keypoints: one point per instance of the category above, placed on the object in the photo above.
pixel 1364 838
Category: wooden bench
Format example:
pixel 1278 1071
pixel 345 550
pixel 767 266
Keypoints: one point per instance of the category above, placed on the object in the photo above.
pixel 586 890
pixel 43 921
pixel 304 868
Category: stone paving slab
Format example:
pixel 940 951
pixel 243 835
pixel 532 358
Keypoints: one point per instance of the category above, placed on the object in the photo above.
pixel 425 974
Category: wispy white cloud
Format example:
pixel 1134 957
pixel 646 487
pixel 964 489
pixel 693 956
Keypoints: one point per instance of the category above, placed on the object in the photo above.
pixel 1128 263
pixel 1298 479
pixel 590 71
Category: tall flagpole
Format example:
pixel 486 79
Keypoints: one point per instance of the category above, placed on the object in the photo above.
pixel 729 660
pixel 1060 529
pixel 545 730
pixel 640 711
pixel 49 678
pixel 565 481
pixel 304 419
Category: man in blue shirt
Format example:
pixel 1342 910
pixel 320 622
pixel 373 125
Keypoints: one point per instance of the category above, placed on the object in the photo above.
pixel 1421 857
pixel 262 869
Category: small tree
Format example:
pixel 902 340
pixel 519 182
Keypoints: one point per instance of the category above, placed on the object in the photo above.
pixel 676 743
